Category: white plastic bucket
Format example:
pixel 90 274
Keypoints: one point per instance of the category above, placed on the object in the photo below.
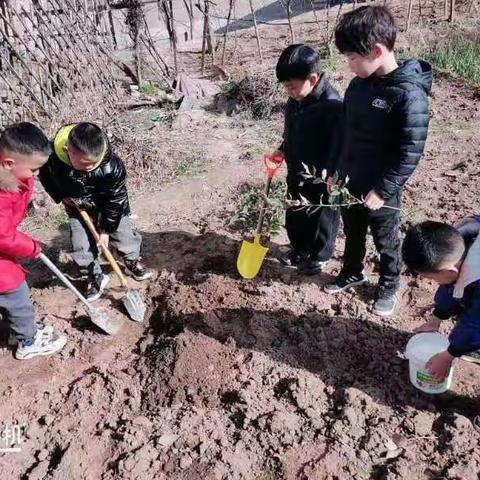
pixel 419 350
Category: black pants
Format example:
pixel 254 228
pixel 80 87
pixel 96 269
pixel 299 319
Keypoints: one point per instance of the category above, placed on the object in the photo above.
pixel 312 234
pixel 384 227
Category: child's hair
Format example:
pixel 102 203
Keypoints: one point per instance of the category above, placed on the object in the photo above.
pixel 24 139
pixel 87 138
pixel 358 31
pixel 297 62
pixel 428 245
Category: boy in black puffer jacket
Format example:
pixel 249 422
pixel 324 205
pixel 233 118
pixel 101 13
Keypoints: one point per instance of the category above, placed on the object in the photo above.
pixel 312 136
pixel 84 173
pixel 386 124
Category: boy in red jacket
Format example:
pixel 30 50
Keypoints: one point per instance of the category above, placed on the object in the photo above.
pixel 23 150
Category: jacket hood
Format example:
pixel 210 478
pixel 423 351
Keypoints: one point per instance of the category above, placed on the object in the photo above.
pixel 469 228
pixel 8 182
pixel 416 72
pixel 317 92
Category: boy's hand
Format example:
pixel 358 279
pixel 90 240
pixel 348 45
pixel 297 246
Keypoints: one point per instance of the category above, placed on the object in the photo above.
pixel 103 240
pixel 330 184
pixel 278 153
pixel 432 325
pixel 373 201
pixel 439 365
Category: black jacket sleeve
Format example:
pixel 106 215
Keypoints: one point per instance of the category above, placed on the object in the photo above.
pixel 49 181
pixel 412 118
pixel 336 134
pixel 116 197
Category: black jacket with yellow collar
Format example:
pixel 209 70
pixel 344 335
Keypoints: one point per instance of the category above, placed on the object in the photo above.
pixel 102 192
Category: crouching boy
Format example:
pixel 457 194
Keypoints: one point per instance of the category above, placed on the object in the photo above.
pixel 451 257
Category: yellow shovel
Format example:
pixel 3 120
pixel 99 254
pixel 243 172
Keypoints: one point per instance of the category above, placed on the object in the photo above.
pixel 252 254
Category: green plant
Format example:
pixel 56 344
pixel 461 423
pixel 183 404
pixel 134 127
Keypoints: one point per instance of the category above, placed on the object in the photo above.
pixel 148 89
pixel 184 167
pixel 338 193
pixel 246 216
pixel 62 221
pixel 459 56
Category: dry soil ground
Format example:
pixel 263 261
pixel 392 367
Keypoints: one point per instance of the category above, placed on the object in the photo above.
pixel 233 379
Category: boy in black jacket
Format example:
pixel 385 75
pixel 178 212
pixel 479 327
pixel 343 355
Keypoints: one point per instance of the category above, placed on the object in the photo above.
pixel 386 124
pixel 84 173
pixel 311 136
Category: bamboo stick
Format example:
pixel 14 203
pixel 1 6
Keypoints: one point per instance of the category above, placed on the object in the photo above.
pixel 259 45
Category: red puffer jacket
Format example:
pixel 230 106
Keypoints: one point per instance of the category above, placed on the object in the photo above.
pixel 14 198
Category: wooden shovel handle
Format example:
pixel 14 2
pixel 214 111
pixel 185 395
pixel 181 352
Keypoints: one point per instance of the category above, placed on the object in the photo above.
pixel 106 252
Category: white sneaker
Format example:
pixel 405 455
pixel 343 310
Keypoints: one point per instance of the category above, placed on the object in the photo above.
pixel 47 330
pixel 46 342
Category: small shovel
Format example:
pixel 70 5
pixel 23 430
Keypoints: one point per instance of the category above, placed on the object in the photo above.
pixel 252 254
pixel 98 316
pixel 132 300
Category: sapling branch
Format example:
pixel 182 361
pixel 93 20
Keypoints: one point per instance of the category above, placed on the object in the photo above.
pixel 338 193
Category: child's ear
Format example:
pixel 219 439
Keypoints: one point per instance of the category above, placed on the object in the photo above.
pixel 313 78
pixel 377 50
pixel 7 163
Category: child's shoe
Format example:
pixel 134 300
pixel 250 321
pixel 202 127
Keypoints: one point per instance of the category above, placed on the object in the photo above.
pixel 473 357
pixel 292 259
pixel 385 301
pixel 47 331
pixel 476 423
pixel 311 267
pixel 137 270
pixel 344 282
pixel 46 342
pixel 95 286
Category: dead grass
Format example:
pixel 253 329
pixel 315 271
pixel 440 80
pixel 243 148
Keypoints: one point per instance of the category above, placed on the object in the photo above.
pixel 258 94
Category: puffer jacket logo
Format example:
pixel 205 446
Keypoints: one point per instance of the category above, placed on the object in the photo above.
pixel 380 103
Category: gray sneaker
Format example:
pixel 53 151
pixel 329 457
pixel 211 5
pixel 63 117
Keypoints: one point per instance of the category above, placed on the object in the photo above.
pixel 385 301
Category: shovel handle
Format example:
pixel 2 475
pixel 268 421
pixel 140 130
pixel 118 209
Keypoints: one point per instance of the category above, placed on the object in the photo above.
pixel 273 163
pixel 65 280
pixel 106 252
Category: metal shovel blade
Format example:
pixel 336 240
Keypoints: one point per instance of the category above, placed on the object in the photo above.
pixel 134 305
pixel 250 258
pixel 102 320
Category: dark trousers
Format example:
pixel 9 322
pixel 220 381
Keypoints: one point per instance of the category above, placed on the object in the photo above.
pixel 313 234
pixel 384 227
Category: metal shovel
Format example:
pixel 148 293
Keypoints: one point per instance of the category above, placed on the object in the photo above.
pixel 98 316
pixel 132 299
pixel 252 254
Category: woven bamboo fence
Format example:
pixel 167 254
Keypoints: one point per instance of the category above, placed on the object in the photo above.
pixel 55 54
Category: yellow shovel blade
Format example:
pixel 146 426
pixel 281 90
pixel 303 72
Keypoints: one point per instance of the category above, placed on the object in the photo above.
pixel 250 258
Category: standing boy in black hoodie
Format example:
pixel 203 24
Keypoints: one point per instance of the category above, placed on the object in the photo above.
pixel 312 137
pixel 386 124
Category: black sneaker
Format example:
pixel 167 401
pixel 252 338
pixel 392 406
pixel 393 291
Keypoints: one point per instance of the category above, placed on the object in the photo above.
pixel 95 286
pixel 385 301
pixel 344 282
pixel 473 357
pixel 292 259
pixel 137 270
pixel 311 267
pixel 476 423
